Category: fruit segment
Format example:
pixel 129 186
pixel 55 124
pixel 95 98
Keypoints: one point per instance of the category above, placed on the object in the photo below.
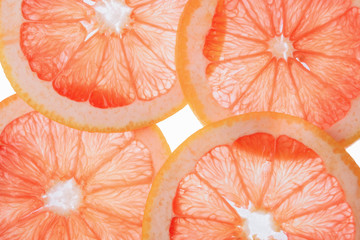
pixel 229 80
pixel 285 97
pixel 294 12
pixel 35 226
pixel 79 229
pixel 143 58
pixel 275 177
pixel 323 105
pixel 126 203
pixel 311 68
pixel 224 45
pixel 137 3
pixel 46 48
pixel 162 14
pixel 78 78
pixel 198 229
pixel 344 34
pixel 110 227
pixel 114 84
pixel 57 229
pixel 333 223
pixel 318 13
pixel 55 11
pixel 154 38
pixel 293 166
pixel 230 16
pixel 67 157
pixel 254 164
pixel 341 74
pixel 15 185
pixel 108 59
pixel 259 12
pixel 98 149
pixel 61 183
pixel 22 139
pixel 131 166
pixel 259 93
pixel 218 167
pixel 196 199
pixel 14 210
pixel 322 192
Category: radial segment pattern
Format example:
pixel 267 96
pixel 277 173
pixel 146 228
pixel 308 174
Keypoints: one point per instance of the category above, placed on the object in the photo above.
pixel 288 56
pixel 109 53
pixel 261 178
pixel 61 183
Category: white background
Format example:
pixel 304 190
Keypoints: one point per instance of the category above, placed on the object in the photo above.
pixel 175 128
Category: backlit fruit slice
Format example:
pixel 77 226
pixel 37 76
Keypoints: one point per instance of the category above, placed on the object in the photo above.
pixel 296 57
pixel 94 65
pixel 60 183
pixel 256 176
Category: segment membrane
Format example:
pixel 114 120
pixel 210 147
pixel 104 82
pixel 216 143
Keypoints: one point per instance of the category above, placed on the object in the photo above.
pixel 295 35
pixel 340 37
pixel 229 80
pixel 113 172
pixel 220 170
pixel 89 53
pixel 278 178
pixel 56 11
pixel 196 199
pixel 46 48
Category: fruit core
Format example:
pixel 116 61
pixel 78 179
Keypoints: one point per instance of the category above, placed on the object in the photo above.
pixel 281 47
pixel 259 224
pixel 63 197
pixel 112 15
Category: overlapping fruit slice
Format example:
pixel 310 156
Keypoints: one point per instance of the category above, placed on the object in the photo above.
pixel 61 183
pixel 257 176
pixel 95 65
pixel 294 57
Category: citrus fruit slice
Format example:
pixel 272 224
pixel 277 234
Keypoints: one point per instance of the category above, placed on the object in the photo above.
pixel 60 183
pixel 256 176
pixel 295 57
pixel 104 65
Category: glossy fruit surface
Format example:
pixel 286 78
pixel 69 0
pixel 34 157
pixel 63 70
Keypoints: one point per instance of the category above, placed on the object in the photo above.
pixel 60 183
pixel 295 57
pixel 105 65
pixel 256 176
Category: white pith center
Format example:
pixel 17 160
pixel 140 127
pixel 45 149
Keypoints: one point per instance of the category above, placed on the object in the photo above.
pixel 113 15
pixel 259 224
pixel 281 47
pixel 63 197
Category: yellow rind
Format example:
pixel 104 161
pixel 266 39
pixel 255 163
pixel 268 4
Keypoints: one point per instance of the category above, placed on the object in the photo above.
pixel 350 140
pixel 71 122
pixel 143 134
pixel 182 61
pixel 164 143
pixel 7 101
pixel 14 99
pixel 321 134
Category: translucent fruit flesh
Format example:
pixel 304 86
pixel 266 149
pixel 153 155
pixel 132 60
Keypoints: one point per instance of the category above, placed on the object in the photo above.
pixel 61 183
pixel 91 52
pixel 294 57
pixel 259 172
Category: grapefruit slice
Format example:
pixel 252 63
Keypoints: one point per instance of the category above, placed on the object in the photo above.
pixel 256 176
pixel 295 57
pixel 104 65
pixel 60 183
